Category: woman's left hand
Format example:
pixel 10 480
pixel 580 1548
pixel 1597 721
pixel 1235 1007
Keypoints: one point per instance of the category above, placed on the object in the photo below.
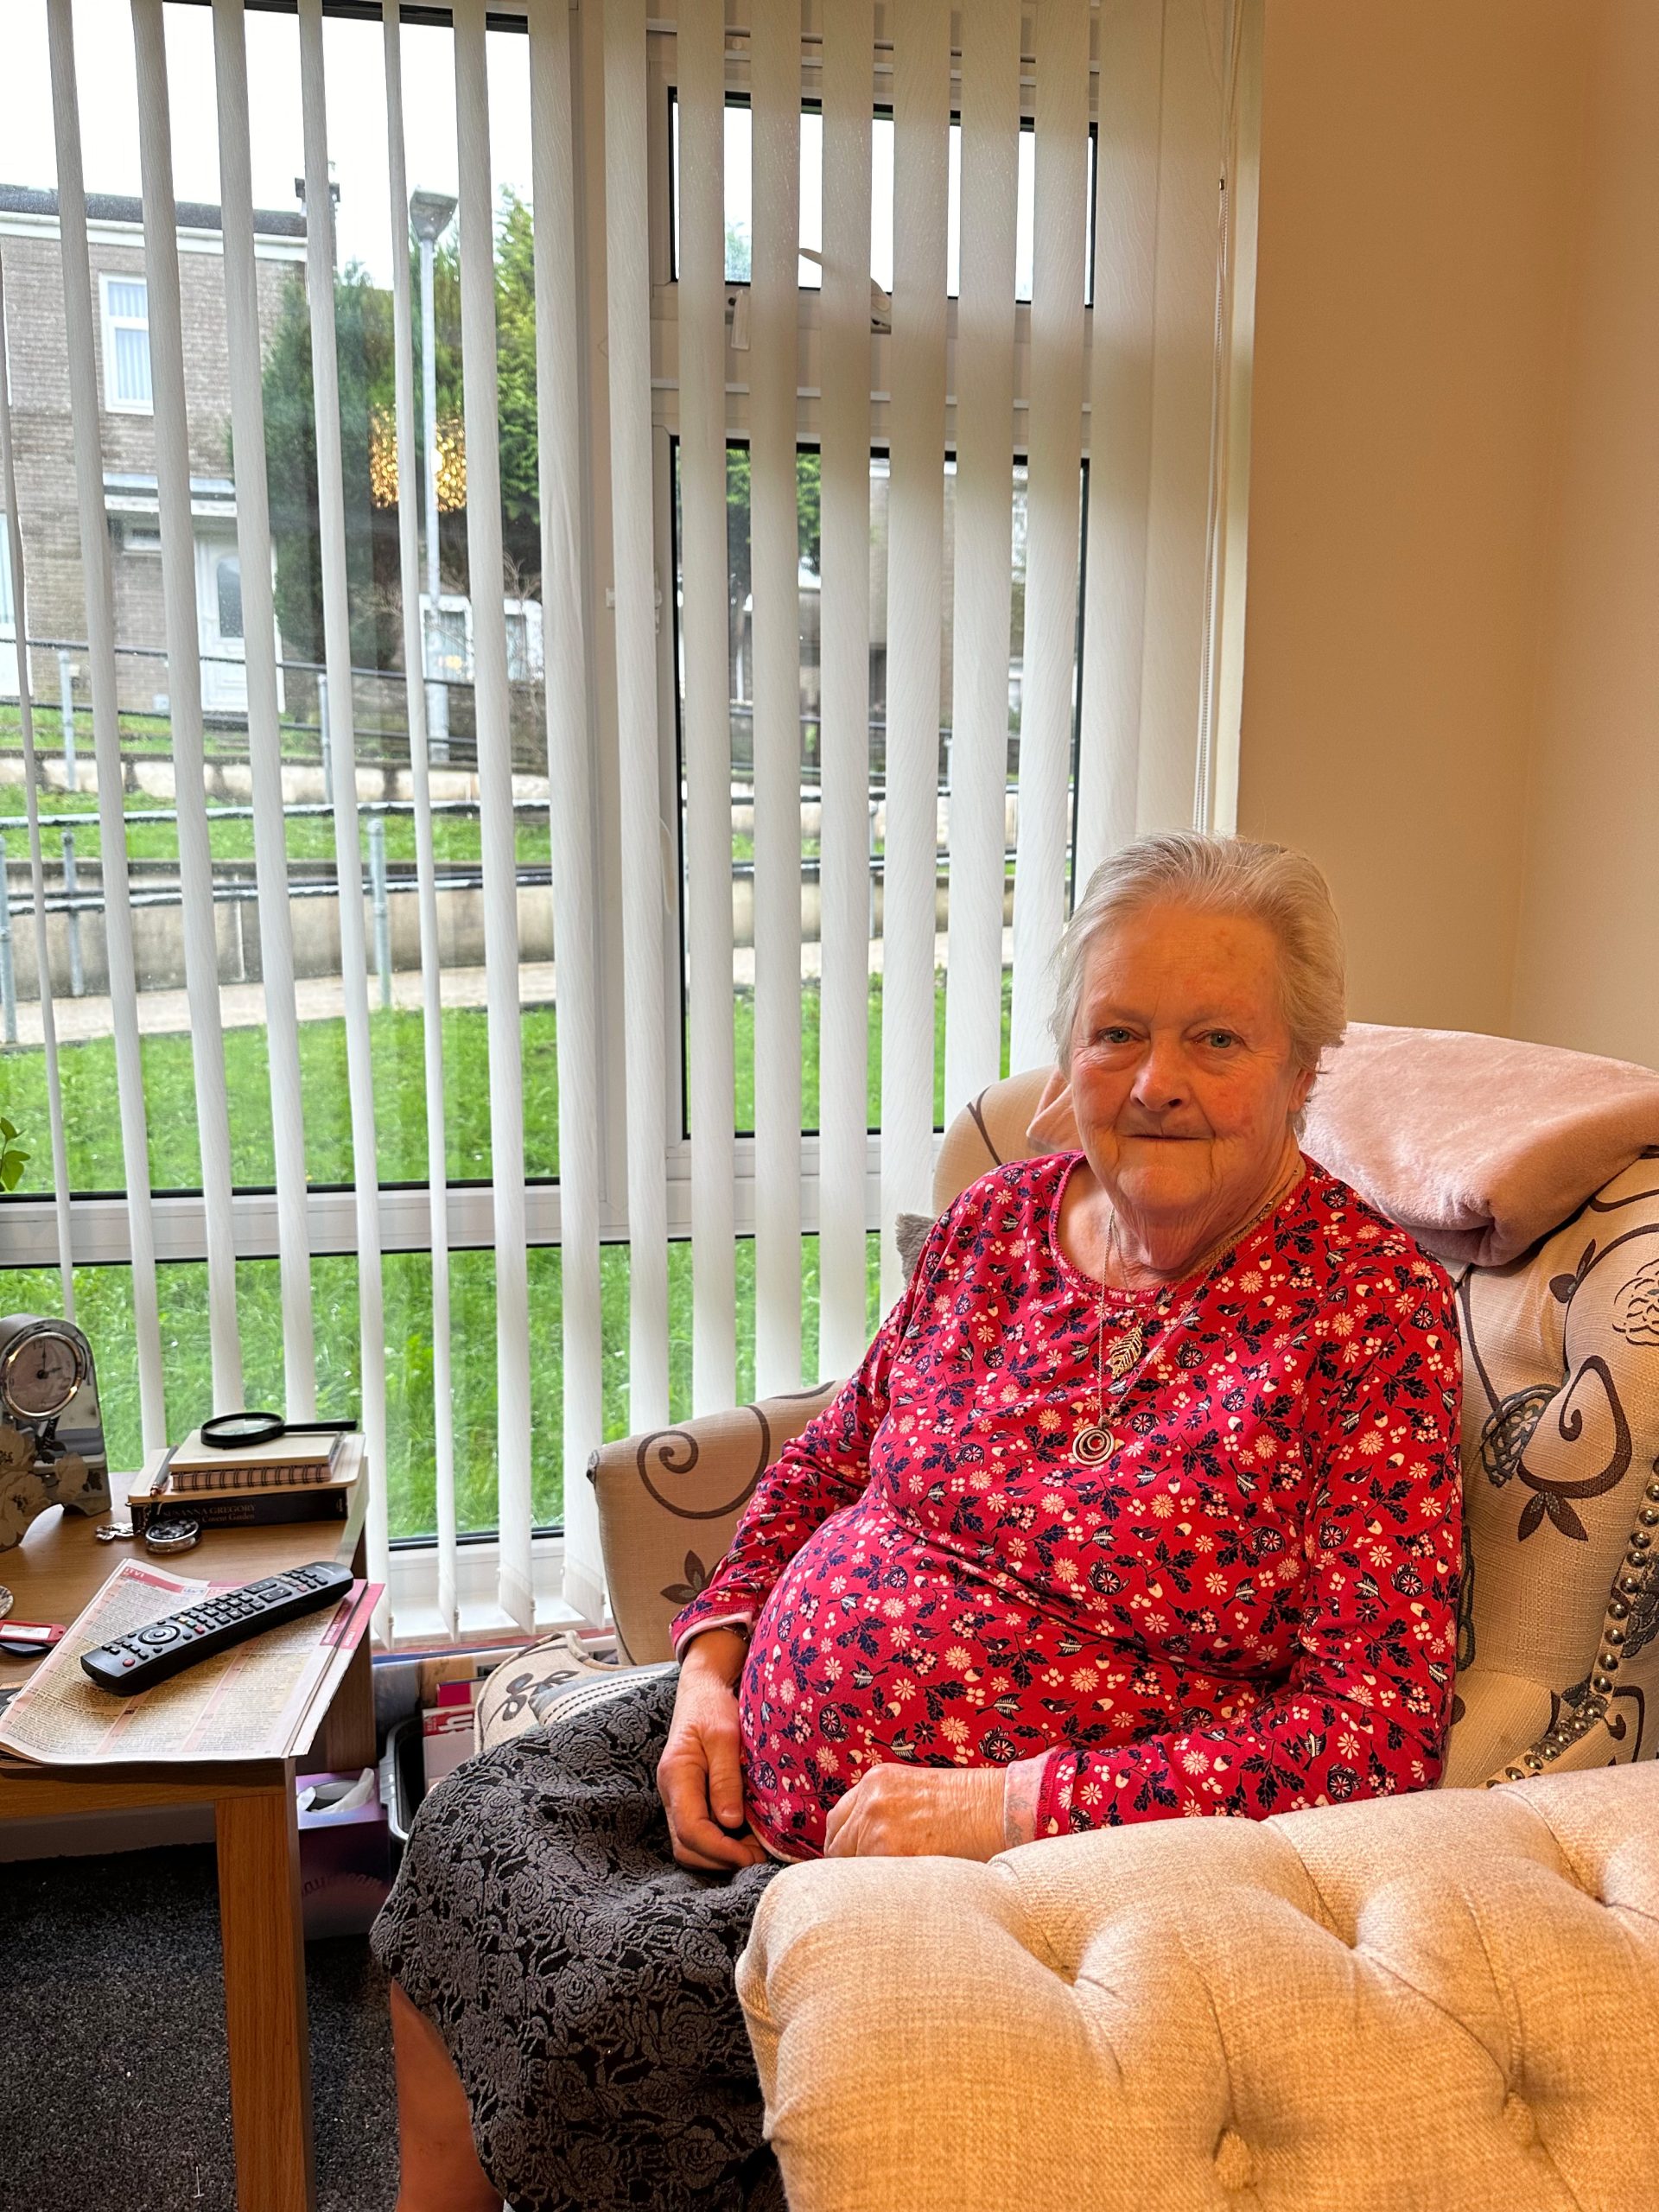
pixel 911 1812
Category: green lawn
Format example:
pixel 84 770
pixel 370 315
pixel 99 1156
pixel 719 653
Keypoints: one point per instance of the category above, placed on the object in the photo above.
pixel 104 1295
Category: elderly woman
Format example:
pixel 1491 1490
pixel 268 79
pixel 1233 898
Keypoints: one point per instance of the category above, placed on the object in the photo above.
pixel 1144 1501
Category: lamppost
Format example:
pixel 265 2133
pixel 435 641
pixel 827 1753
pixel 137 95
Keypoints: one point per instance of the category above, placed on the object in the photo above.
pixel 430 213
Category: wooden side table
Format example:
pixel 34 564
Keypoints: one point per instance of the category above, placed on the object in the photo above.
pixel 53 1574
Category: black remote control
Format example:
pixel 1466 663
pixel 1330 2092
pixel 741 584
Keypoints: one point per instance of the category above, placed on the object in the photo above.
pixel 167 1647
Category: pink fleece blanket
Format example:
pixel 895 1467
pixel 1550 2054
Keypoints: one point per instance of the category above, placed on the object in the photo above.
pixel 1479 1145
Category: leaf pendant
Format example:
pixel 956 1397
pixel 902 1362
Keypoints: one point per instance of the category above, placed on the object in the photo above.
pixel 1125 1352
pixel 1091 1444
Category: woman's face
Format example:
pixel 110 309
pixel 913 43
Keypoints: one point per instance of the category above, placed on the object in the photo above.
pixel 1181 1073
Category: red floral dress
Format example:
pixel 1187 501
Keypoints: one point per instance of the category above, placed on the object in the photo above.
pixel 1249 1606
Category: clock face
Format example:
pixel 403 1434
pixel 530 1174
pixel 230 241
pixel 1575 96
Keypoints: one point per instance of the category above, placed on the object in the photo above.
pixel 41 1373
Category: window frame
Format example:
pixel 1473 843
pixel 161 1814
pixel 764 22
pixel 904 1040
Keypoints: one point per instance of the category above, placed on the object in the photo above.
pixel 109 323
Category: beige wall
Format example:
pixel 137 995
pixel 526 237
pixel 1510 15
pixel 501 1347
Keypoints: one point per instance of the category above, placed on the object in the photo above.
pixel 1454 503
pixel 1588 964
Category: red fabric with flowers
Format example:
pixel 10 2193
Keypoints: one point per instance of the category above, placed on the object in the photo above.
pixel 1248 1607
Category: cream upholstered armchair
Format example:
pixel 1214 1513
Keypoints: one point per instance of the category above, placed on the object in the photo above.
pixel 1414 2002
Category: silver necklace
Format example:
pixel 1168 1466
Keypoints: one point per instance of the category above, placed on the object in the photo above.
pixel 1094 1441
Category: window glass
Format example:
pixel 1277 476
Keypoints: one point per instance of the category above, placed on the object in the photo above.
pixel 227 576
pixel 126 309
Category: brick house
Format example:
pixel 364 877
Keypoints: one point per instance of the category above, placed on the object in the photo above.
pixel 43 435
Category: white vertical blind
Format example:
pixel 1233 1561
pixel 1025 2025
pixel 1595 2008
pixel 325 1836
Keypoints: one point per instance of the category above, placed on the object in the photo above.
pixel 1054 445
pixel 568 732
pixel 990 103
pixel 184 690
pixel 408 576
pixel 337 654
pixel 495 810
pixel 915 585
pixel 1120 413
pixel 265 726
pixel 618 370
pixel 775 82
pixel 31 800
pixel 700 51
pixel 845 559
pixel 643 834
pixel 81 342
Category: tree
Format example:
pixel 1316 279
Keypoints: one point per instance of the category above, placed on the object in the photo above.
pixel 362 347
pixel 363 317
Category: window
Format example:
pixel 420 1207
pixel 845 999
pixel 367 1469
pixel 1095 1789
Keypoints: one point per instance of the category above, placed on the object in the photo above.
pixel 227 590
pixel 126 346
pixel 566 1086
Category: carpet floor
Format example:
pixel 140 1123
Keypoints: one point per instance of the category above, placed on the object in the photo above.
pixel 114 2096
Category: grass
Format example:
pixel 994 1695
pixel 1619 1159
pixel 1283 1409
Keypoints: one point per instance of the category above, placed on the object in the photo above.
pixel 104 1295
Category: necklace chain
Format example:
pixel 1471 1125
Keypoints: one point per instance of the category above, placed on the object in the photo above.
pixel 1094 1441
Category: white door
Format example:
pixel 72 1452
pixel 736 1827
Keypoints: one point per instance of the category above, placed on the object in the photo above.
pixel 219 617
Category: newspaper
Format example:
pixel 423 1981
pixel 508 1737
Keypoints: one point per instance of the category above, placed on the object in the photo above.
pixel 261 1699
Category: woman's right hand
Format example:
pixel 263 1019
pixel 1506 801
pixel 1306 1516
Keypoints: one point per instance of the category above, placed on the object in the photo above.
pixel 700 1774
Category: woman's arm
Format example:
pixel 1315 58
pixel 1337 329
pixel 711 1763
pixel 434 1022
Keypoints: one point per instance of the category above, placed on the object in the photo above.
pixel 1365 1710
pixel 817 1473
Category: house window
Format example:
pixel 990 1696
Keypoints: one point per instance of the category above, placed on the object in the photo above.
pixel 126 346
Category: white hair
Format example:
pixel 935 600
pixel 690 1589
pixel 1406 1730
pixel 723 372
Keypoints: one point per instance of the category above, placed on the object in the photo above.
pixel 1219 875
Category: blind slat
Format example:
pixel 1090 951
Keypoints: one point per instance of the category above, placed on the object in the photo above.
pixel 495 811
pixel 984 575
pixel 915 583
pixel 644 834
pixel 31 801
pixel 184 690
pixel 1055 439
pixel 1119 435
pixel 80 337
pixel 701 46
pixel 570 768
pixel 775 82
pixel 844 877
pixel 265 725
pixel 337 656
pixel 409 571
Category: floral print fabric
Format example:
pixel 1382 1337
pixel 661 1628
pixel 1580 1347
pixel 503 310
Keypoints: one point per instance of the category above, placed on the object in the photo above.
pixel 1248 1607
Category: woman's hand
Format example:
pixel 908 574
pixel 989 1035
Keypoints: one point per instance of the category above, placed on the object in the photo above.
pixel 700 1774
pixel 907 1812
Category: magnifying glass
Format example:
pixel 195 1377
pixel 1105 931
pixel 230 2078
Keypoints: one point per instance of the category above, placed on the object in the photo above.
pixel 237 1432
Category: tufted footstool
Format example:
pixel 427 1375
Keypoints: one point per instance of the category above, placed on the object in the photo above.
pixel 1440 2003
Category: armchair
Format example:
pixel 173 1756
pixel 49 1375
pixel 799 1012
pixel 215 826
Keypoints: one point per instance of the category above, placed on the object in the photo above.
pixel 1252 1991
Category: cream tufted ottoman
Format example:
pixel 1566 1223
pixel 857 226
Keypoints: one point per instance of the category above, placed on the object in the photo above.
pixel 1441 2003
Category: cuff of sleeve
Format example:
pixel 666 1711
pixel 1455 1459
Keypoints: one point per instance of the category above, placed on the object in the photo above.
pixel 1022 1787
pixel 683 1635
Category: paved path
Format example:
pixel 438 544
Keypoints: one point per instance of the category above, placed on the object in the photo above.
pixel 321 998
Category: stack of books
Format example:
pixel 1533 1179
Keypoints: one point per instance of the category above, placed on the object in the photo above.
pixel 292 1478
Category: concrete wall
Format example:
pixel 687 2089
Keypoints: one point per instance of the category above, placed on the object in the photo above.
pixel 1422 208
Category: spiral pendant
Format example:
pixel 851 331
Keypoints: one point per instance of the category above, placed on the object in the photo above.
pixel 1091 1444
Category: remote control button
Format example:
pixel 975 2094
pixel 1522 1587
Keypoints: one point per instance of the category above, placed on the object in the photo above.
pixel 128 1660
pixel 164 1632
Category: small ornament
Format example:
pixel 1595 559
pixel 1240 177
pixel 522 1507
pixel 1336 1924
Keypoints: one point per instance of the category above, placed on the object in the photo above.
pixel 112 1532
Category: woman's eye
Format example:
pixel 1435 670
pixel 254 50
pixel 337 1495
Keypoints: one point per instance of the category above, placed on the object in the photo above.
pixel 1113 1036
pixel 1222 1039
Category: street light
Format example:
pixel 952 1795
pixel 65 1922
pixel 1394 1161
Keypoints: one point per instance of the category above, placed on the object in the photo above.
pixel 429 212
